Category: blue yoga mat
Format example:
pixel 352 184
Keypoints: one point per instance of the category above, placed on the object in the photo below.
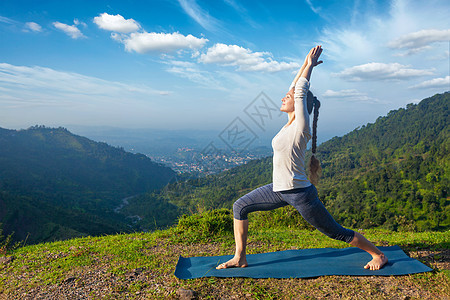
pixel 304 263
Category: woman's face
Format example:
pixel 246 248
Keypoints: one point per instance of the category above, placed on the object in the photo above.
pixel 288 102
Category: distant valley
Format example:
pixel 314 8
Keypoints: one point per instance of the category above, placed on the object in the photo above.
pixel 197 152
pixel 57 185
pixel 393 173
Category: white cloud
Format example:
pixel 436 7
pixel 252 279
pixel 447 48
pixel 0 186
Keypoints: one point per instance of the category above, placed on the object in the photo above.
pixel 348 44
pixel 237 6
pixel 316 10
pixel 349 95
pixel 364 34
pixel 245 59
pixel 33 27
pixel 381 71
pixel 53 81
pixel 199 15
pixel 70 30
pixel 116 23
pixel 183 64
pixel 192 72
pixel 418 41
pixel 443 82
pixel 142 42
pixel 7 20
pixel 38 95
pixel 413 51
pixel 77 22
pixel 441 56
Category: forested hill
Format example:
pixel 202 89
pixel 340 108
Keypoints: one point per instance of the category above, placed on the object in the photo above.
pixel 57 185
pixel 392 173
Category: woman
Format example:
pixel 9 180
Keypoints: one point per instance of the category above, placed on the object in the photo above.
pixel 290 183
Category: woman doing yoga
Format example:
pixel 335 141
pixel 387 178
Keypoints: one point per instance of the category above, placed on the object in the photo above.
pixel 290 184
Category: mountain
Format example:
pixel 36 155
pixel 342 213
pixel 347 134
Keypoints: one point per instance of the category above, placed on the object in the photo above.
pixel 392 173
pixel 57 185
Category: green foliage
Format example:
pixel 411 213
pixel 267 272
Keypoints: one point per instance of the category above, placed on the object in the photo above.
pixel 200 194
pixel 56 185
pixel 399 173
pixel 6 243
pixel 150 212
pixel 212 191
pixel 207 224
pixel 284 217
pixel 393 173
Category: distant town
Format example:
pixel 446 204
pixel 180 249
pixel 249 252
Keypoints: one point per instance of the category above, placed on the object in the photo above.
pixel 190 153
pixel 188 160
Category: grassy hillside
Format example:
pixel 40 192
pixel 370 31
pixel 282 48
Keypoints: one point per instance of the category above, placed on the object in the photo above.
pixel 393 173
pixel 57 185
pixel 141 265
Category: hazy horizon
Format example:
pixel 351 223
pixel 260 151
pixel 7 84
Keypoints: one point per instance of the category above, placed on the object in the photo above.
pixel 206 65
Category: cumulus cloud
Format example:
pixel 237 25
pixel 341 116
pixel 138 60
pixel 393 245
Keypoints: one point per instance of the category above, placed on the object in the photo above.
pixel 143 42
pixel 443 82
pixel 349 95
pixel 418 41
pixel 381 71
pixel 70 30
pixel 116 23
pixel 32 26
pixel 244 59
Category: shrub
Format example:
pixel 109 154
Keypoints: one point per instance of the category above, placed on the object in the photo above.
pixel 284 217
pixel 6 243
pixel 213 222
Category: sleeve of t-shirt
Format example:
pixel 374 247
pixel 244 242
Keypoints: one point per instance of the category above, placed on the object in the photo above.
pixel 301 110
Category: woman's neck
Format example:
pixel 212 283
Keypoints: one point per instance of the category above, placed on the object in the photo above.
pixel 291 117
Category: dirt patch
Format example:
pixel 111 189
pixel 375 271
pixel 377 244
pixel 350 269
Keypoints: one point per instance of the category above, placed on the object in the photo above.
pixel 434 259
pixel 96 281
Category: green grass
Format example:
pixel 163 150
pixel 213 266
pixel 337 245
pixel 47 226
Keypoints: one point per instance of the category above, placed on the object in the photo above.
pixel 141 265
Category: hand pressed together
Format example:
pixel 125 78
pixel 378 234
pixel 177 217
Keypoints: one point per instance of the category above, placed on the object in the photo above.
pixel 313 56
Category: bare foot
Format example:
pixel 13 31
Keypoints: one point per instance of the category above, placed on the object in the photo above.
pixel 235 262
pixel 377 262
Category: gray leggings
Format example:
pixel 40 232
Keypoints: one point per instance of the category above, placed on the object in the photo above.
pixel 305 200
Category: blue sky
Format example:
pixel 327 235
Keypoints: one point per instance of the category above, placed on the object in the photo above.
pixel 192 64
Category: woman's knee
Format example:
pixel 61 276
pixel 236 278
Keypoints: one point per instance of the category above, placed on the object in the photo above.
pixel 238 210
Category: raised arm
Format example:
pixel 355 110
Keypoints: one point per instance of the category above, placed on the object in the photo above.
pixel 311 61
pixel 297 77
pixel 301 83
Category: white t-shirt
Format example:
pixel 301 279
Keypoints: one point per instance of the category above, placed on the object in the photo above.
pixel 289 145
